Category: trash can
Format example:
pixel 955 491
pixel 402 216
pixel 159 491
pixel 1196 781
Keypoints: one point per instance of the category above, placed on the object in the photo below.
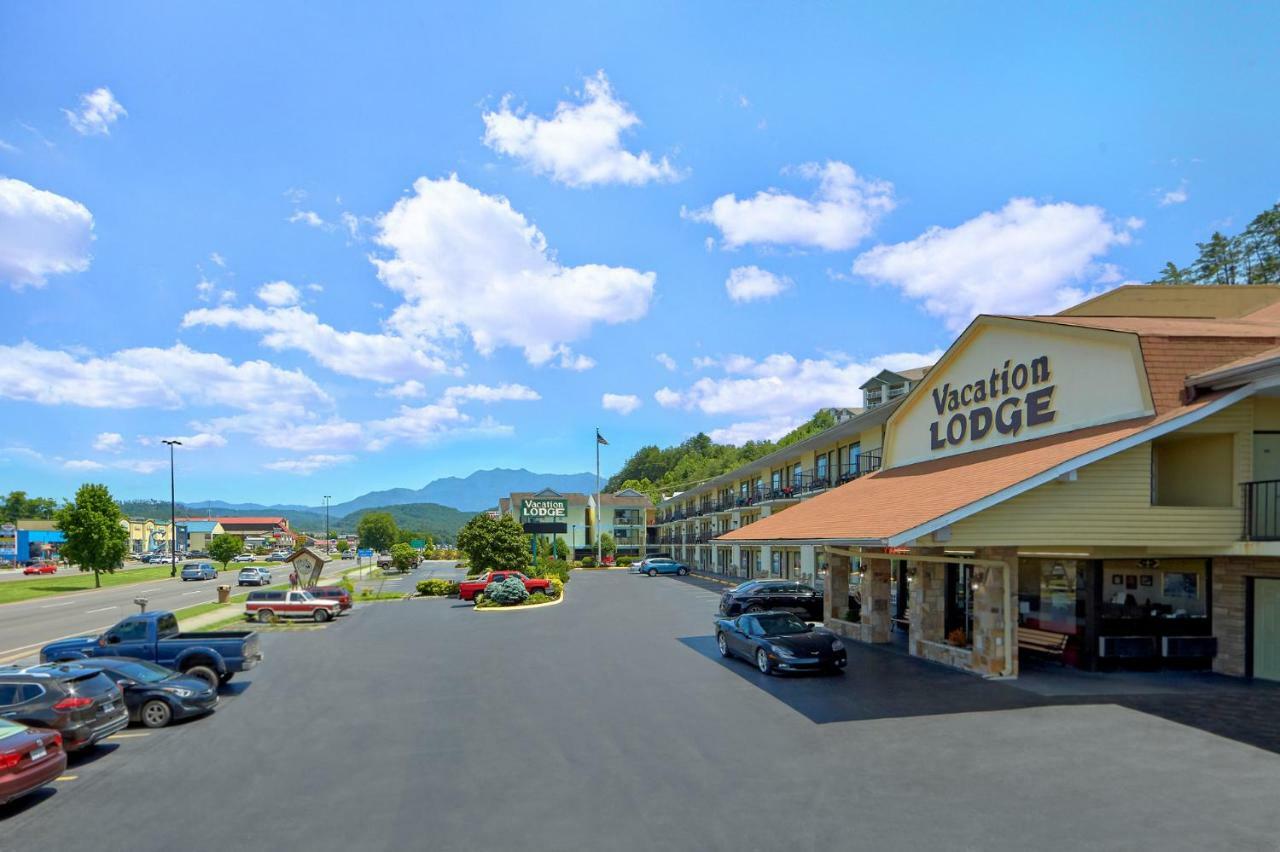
pixel 224 594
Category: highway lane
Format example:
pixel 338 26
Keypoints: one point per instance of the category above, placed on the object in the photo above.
pixel 27 625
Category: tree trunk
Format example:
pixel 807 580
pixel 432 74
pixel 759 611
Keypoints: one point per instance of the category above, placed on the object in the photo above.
pixel 97 580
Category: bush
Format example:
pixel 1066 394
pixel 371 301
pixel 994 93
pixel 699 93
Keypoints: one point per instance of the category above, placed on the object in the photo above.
pixel 557 587
pixel 537 598
pixel 509 592
pixel 624 561
pixel 437 588
pixel 548 568
pixel 588 562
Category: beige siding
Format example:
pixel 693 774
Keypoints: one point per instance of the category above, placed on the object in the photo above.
pixel 1110 504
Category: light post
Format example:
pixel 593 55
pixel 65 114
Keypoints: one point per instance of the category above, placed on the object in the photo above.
pixel 327 498
pixel 173 514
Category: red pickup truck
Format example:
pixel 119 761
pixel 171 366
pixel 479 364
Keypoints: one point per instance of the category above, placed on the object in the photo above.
pixel 468 589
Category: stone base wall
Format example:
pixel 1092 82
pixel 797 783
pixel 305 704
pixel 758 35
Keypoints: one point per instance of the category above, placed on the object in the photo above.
pixel 1229 607
pixel 875 600
pixel 941 652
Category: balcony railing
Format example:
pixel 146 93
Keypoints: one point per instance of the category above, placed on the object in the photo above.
pixel 864 463
pixel 1262 510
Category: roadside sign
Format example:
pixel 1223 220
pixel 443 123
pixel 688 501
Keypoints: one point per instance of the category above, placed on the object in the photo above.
pixel 544 511
pixel 364 552
pixel 7 527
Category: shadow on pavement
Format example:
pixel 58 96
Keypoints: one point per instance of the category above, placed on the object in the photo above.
pixel 75 760
pixel 236 687
pixel 27 802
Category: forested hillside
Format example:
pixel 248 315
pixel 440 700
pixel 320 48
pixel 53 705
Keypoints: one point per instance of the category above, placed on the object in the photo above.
pixel 440 522
pixel 1250 257
pixel 654 471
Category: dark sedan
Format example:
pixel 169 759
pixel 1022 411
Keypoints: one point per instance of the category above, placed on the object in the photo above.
pixel 155 695
pixel 80 703
pixel 29 759
pixel 765 595
pixel 780 642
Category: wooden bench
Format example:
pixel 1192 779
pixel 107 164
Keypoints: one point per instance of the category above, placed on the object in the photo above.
pixel 1042 641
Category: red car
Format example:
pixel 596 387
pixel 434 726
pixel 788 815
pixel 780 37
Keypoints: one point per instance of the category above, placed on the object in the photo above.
pixel 333 593
pixel 42 568
pixel 468 589
pixel 29 759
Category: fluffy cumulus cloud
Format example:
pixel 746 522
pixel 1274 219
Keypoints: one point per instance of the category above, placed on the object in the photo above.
pixel 98 110
pixel 279 294
pixel 1026 258
pixel 581 144
pixel 131 465
pixel 1170 197
pixel 309 218
pixel 784 385
pixel 151 377
pixel 749 283
pixel 665 360
pixel 308 464
pixel 622 403
pixel 842 212
pixel 767 429
pixel 108 442
pixel 41 234
pixel 376 356
pixel 468 264
pixel 198 441
pixel 490 393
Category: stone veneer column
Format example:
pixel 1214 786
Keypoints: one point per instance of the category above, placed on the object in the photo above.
pixel 1230 611
pixel 928 589
pixel 992 601
pixel 835 589
pixel 876 578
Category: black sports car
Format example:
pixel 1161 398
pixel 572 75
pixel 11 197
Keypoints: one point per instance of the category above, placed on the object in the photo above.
pixel 767 595
pixel 780 642
pixel 155 695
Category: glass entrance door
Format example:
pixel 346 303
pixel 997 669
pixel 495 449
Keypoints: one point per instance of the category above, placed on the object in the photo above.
pixel 1266 629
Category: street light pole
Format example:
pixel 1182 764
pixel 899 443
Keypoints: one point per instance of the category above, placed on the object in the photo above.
pixel 173 514
pixel 327 498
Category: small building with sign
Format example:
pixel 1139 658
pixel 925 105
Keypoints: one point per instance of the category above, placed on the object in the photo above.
pixel 30 540
pixel 1100 487
pixel 548 508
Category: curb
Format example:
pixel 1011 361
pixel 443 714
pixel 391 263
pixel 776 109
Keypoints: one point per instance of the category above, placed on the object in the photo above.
pixel 518 608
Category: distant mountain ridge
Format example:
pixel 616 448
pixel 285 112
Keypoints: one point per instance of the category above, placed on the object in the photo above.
pixel 473 493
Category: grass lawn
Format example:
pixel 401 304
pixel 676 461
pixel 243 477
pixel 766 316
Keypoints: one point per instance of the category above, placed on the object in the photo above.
pixel 66 581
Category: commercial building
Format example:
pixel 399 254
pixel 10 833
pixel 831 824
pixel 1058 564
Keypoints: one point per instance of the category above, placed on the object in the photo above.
pixel 30 540
pixel 577 519
pixel 1101 485
pixel 626 515
pixel 196 535
pixel 272 531
pixel 147 535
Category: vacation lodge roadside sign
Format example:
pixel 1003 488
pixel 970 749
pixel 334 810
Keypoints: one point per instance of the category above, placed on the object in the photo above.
pixel 544 515
pixel 1015 396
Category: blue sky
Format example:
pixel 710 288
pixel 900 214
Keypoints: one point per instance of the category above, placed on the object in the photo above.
pixel 340 248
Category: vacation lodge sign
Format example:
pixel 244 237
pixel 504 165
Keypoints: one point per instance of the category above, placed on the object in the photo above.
pixel 1012 397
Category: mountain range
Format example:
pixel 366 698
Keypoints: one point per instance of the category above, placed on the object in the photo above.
pixel 473 493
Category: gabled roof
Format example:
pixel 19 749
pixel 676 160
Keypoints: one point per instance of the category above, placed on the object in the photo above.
pixel 892 377
pixel 256 522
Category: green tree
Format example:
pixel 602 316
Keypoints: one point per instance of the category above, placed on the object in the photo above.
pixel 343 547
pixel 224 548
pixel 561 548
pixel 494 544
pixel 18 505
pixel 607 544
pixel 94 538
pixel 403 557
pixel 377 530
pixel 1171 274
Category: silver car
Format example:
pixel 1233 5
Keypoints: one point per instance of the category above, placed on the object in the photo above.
pixel 254 576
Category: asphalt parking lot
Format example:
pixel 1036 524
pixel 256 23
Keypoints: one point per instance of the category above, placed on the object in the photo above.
pixel 607 722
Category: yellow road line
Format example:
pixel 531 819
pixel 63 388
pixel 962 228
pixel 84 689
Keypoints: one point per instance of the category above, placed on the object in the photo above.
pixel 66 778
pixel 127 736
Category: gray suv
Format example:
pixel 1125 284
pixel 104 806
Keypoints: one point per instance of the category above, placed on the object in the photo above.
pixel 255 576
pixel 82 704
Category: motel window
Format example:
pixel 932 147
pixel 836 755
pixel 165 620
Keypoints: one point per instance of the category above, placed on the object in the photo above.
pixel 776 480
pixel 775 568
pixel 1192 470
pixel 820 469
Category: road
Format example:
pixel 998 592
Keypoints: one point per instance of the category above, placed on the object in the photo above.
pixel 609 722
pixel 27 625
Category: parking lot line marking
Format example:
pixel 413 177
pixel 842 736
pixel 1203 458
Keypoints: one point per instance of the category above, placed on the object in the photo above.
pixel 124 736
pixel 101 609
pixel 66 778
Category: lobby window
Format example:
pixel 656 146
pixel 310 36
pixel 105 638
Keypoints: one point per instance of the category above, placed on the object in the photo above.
pixel 775 568
pixel 820 470
pixel 958 611
pixel 1192 470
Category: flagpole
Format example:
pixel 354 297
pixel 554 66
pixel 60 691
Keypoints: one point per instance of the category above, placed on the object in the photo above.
pixel 599 512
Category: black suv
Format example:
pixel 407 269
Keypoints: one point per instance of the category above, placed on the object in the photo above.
pixel 82 704
pixel 764 595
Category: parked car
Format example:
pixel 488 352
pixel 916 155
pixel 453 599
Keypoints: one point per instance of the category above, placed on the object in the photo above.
pixel 154 695
pixel 29 759
pixel 81 704
pixel 244 557
pixel 655 566
pixel 267 606
pixel 333 593
pixel 779 641
pixel 199 571
pixel 764 595
pixel 254 576
pixel 41 568
pixel 154 636
pixel 197 554
pixel 468 589
pixel 156 558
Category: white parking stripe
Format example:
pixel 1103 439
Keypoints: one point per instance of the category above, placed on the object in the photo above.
pixel 101 609
pixel 185 594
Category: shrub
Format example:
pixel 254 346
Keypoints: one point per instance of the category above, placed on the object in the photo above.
pixel 537 598
pixel 507 593
pixel 557 587
pixel 437 588
pixel 624 561
pixel 588 562
pixel 549 568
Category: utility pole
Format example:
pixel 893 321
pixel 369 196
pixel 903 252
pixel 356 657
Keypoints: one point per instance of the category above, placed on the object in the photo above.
pixel 327 498
pixel 173 514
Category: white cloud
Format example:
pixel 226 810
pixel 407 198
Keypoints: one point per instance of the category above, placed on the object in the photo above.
pixel 99 110
pixel 109 442
pixel 784 385
pixel 490 393
pixel 749 283
pixel 295 195
pixel 411 389
pixel 226 297
pixel 665 360
pixel 198 441
pixel 279 294
pixel 622 403
pixel 1174 196
pixel 379 357
pixel 310 218
pixel 467 263
pixel 308 464
pixel 768 429
pixel 9 147
pixel 41 234
pixel 581 144
pixel 316 288
pixel 83 464
pixel 218 260
pixel 132 465
pixel 842 213
pixel 1025 258
pixel 204 290
pixel 149 377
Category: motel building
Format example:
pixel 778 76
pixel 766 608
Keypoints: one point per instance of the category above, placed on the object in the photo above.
pixel 1100 487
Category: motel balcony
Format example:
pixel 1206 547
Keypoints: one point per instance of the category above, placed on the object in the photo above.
pixel 868 462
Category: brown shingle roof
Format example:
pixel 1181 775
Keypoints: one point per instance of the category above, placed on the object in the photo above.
pixel 1172 326
pixel 1257 359
pixel 889 502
